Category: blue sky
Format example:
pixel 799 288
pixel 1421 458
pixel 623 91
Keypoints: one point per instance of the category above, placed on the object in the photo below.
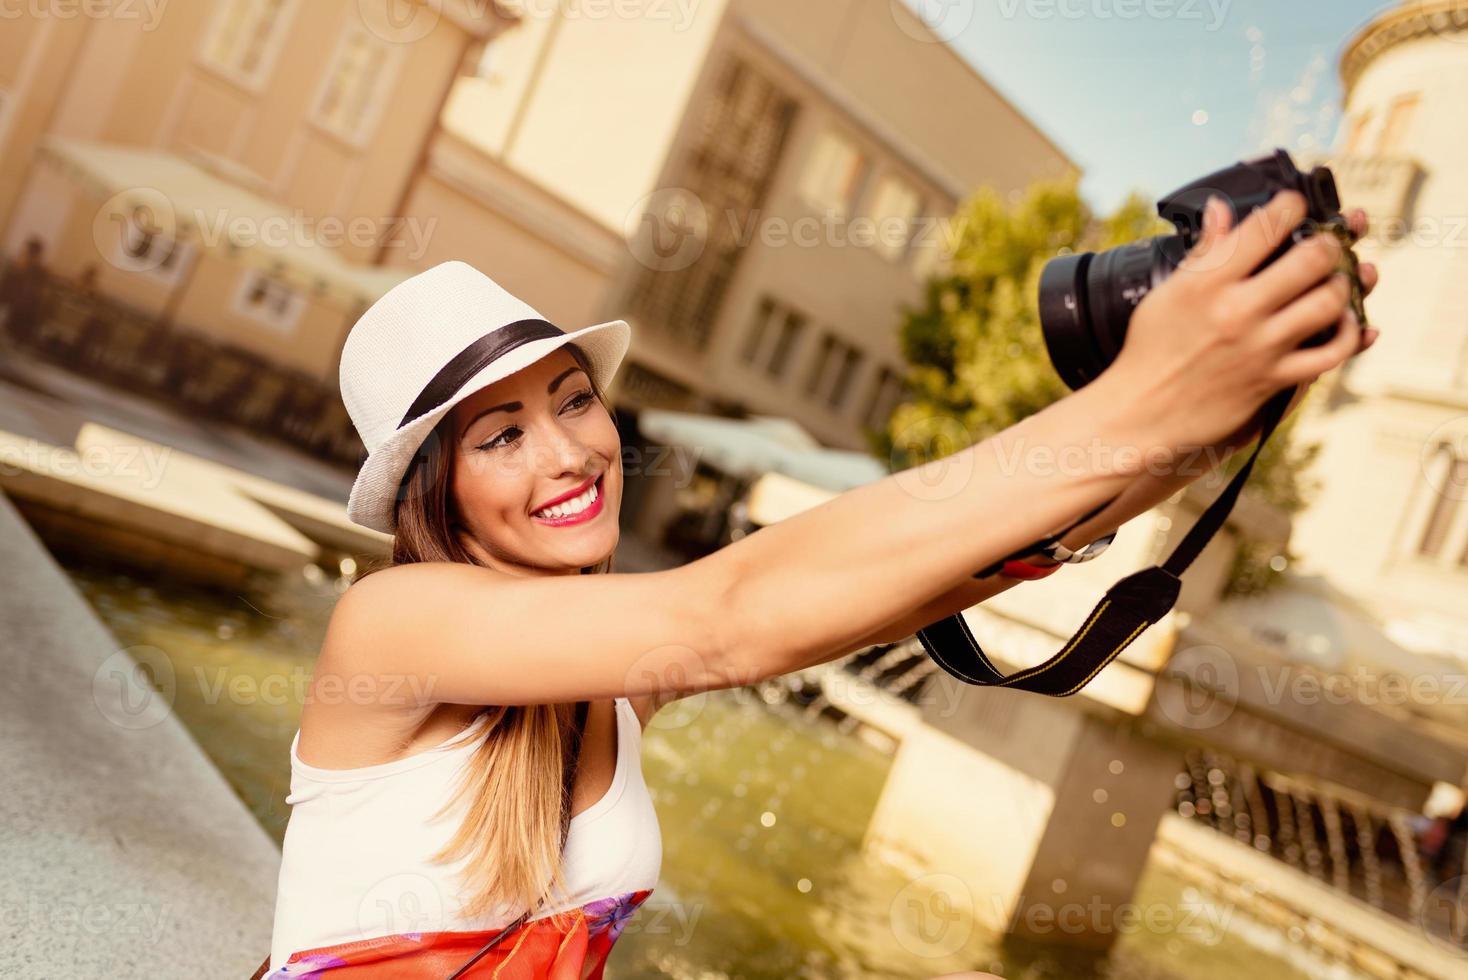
pixel 1125 93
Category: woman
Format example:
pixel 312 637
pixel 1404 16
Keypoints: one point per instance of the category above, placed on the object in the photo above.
pixel 441 811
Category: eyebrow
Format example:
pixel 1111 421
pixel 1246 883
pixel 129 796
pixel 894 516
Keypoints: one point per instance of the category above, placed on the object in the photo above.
pixel 516 406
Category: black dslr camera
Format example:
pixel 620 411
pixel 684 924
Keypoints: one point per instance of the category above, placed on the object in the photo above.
pixel 1086 300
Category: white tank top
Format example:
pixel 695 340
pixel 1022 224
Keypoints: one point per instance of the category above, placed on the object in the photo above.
pixel 356 860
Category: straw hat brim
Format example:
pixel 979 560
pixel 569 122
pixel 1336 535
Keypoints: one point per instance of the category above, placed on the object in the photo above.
pixel 374 496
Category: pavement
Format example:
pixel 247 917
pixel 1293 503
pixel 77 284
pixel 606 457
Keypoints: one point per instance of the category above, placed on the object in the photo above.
pixel 126 853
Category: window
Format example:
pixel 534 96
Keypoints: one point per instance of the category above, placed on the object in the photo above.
pixel 1448 493
pixel 267 300
pixel 818 367
pixel 830 376
pixel 832 174
pixel 789 332
pixel 1398 125
pixel 741 131
pixel 852 358
pixel 1356 139
pixel 143 247
pixel 894 210
pixel 245 36
pixel 887 391
pixel 355 87
pixel 758 330
pixel 772 337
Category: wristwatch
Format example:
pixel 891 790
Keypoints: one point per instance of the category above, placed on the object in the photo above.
pixel 1016 567
pixel 1056 551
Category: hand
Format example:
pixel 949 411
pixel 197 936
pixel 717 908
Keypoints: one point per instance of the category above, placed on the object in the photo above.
pixel 1370 276
pixel 1213 343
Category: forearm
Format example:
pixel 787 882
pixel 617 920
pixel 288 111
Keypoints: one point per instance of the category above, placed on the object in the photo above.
pixel 1145 492
pixel 845 569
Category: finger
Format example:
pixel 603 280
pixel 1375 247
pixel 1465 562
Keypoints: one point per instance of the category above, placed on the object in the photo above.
pixel 1369 337
pixel 1312 362
pixel 1302 267
pixel 1260 234
pixel 1358 222
pixel 1218 220
pixel 1311 313
pixel 1370 276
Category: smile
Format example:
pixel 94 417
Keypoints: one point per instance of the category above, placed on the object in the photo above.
pixel 577 510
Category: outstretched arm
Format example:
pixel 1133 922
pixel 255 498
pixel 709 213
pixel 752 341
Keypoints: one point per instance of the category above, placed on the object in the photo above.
pixel 1203 352
pixel 1146 492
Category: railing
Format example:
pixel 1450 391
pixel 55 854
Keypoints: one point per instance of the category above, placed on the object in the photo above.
pixel 104 339
pixel 1403 863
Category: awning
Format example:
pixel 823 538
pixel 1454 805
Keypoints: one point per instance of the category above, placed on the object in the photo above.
pixel 1308 620
pixel 749 448
pixel 216 213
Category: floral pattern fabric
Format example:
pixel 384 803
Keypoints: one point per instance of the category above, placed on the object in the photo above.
pixel 571 945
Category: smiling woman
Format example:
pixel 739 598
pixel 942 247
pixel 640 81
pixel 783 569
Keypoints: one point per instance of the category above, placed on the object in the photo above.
pixel 535 477
pixel 452 825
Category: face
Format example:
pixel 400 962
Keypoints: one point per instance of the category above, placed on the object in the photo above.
pixel 527 441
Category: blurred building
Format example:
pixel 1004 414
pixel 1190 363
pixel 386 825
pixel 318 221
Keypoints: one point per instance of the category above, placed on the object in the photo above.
pixel 757 186
pixel 1391 522
pixel 722 214
pixel 232 166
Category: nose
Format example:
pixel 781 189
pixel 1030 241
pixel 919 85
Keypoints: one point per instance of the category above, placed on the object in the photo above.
pixel 570 457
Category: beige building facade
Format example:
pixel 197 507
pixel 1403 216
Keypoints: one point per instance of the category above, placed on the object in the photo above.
pixel 759 187
pixel 1391 521
pixel 233 166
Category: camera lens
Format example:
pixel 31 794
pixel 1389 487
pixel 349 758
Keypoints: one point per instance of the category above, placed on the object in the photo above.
pixel 1086 302
pixel 1065 319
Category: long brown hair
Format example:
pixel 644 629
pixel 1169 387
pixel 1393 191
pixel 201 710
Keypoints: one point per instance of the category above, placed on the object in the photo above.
pixel 511 832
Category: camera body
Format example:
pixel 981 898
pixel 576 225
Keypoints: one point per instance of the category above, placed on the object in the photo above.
pixel 1087 299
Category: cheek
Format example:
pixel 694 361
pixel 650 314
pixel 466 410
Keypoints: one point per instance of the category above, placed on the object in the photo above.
pixel 478 489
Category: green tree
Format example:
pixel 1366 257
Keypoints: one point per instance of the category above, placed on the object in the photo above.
pixel 977 362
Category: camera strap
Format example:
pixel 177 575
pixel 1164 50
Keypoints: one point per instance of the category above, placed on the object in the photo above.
pixel 1127 609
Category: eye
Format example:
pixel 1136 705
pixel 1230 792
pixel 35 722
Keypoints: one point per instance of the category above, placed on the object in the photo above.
pixel 495 442
pixel 581 398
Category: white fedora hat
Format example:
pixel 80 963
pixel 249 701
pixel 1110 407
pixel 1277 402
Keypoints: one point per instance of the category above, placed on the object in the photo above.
pixel 430 342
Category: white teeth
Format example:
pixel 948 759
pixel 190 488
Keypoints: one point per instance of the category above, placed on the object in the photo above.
pixel 573 506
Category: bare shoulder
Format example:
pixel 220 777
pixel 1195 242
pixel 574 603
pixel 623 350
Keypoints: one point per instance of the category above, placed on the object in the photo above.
pixel 386 603
pixel 394 593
